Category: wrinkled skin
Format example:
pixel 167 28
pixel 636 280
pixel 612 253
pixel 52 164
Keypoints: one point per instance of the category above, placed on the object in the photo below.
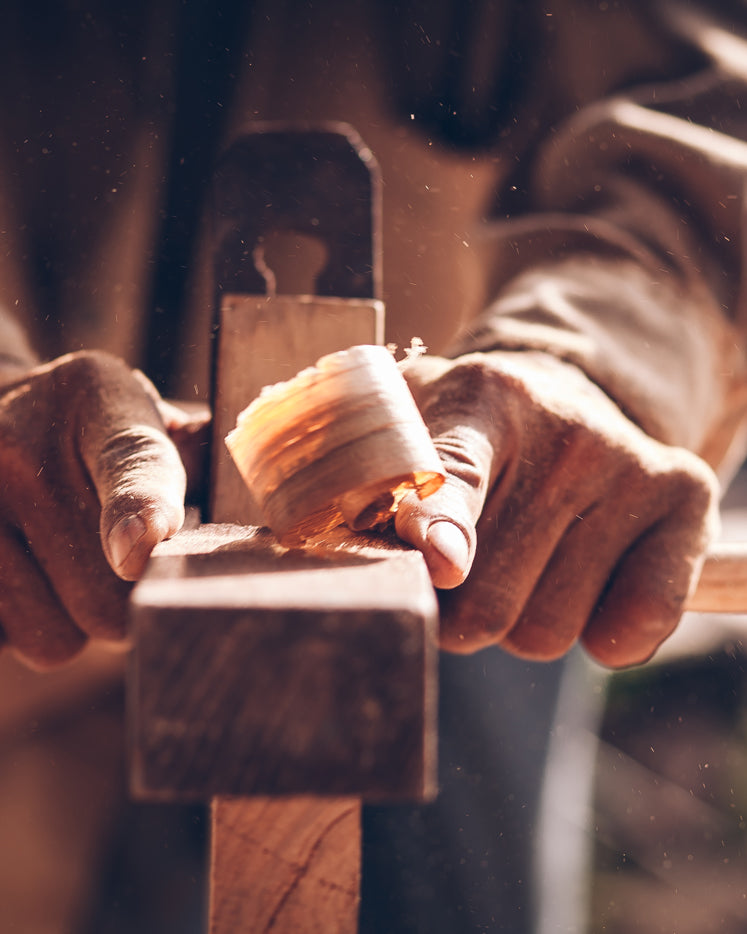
pixel 575 524
pixel 89 482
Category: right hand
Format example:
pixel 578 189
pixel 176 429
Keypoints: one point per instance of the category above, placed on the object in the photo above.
pixel 89 482
pixel 580 526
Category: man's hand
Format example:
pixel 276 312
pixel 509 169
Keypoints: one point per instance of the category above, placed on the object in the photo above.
pixel 576 524
pixel 89 483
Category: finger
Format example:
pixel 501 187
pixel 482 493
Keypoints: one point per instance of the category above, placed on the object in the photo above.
pixel 568 590
pixel 189 429
pixel 61 532
pixel 187 423
pixel 34 622
pixel 529 511
pixel 442 526
pixel 136 469
pixel 511 559
pixel 439 529
pixel 642 606
pixel 141 483
pixel 648 591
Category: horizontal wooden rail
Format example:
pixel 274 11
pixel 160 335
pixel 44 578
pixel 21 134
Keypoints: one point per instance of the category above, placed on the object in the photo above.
pixel 722 587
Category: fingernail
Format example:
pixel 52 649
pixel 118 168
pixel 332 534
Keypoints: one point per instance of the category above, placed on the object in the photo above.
pixel 124 537
pixel 449 541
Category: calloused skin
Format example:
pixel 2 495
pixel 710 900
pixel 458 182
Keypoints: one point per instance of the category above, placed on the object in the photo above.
pixel 572 523
pixel 560 520
pixel 90 481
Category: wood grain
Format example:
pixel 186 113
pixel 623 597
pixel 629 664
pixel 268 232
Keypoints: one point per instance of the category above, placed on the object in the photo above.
pixel 261 670
pixel 285 866
pixel 722 587
pixel 262 340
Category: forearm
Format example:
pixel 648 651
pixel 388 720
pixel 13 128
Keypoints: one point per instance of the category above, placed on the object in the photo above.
pixel 667 356
pixel 630 263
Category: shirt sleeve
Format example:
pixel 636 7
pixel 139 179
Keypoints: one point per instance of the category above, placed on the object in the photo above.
pixel 630 262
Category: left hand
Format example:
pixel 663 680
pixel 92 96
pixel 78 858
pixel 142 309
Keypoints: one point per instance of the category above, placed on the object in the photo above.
pixel 575 523
pixel 93 476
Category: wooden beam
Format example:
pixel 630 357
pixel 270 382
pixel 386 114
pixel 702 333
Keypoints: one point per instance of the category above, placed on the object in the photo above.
pixel 285 866
pixel 722 587
pixel 257 670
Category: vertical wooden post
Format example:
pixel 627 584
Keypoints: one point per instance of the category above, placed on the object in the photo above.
pixel 288 875
pixel 290 865
pixel 285 865
pixel 264 340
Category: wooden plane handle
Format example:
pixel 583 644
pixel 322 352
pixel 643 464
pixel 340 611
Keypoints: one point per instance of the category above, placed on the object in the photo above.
pixel 722 587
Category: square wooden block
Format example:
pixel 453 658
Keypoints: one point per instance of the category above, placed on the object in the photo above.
pixel 257 670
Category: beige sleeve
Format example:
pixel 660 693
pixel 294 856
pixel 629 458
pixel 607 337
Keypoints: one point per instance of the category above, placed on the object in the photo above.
pixel 630 262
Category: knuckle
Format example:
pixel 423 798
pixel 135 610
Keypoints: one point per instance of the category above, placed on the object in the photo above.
pixel 45 647
pixel 87 367
pixel 694 486
pixel 466 455
pixel 460 387
pixel 47 658
pixel 541 643
pixel 84 385
pixel 139 447
pixel 467 385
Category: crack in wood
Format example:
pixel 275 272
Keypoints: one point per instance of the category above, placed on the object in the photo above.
pixel 303 869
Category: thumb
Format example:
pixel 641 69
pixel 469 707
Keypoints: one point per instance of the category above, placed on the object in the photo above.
pixel 188 424
pixel 442 526
pixel 141 484
pixel 136 469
